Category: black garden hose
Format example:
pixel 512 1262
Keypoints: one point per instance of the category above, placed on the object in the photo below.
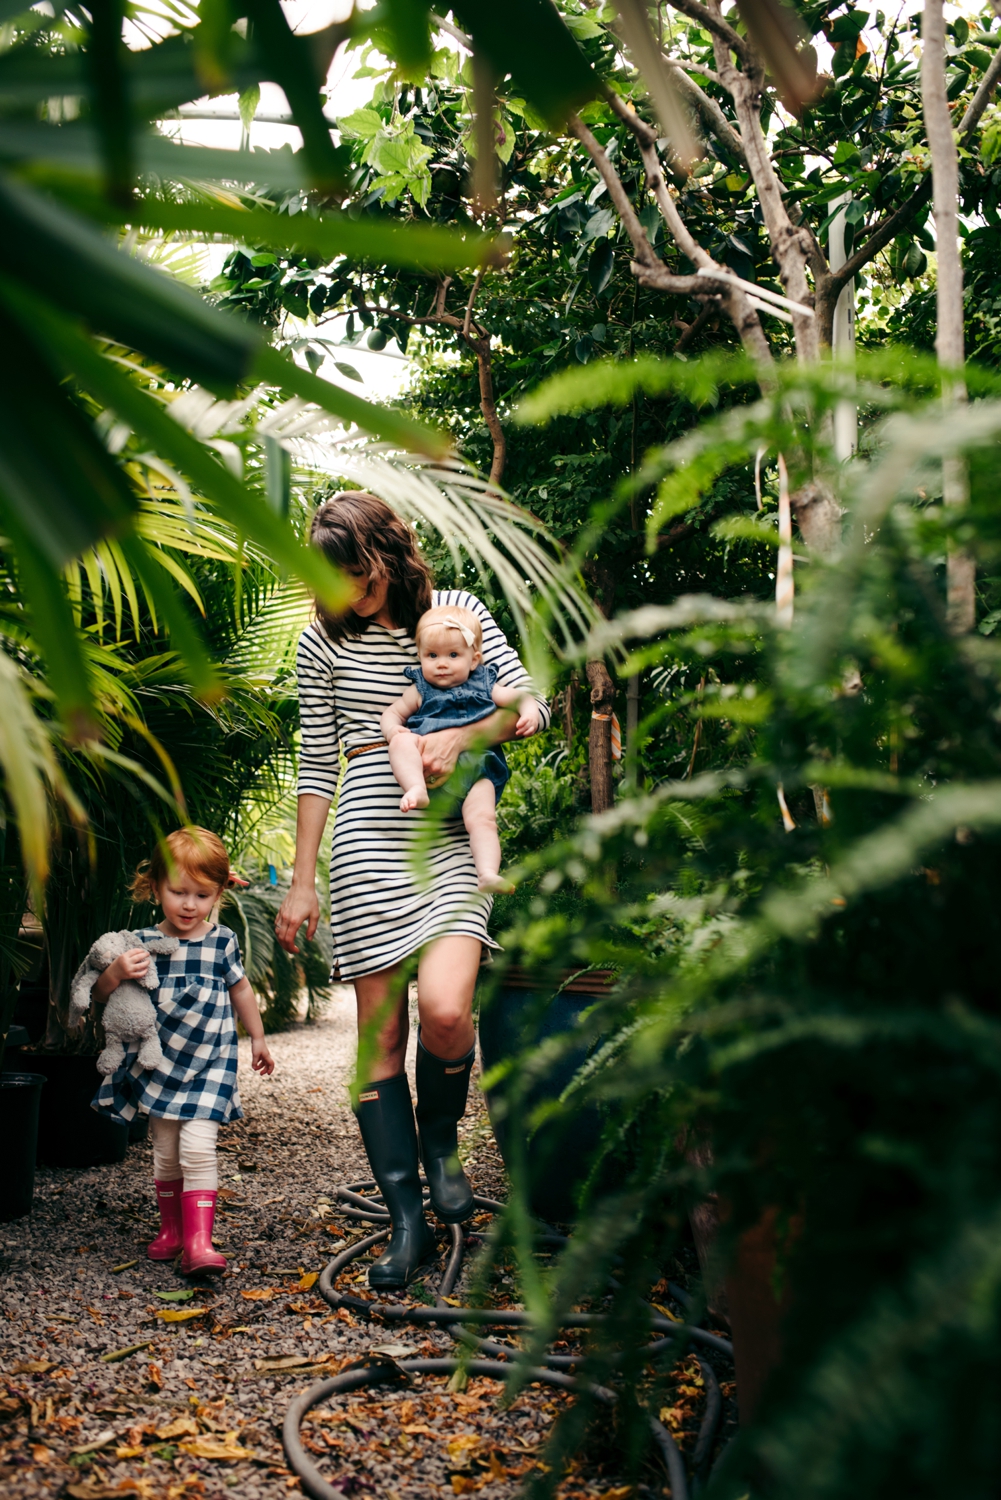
pixel 380 1370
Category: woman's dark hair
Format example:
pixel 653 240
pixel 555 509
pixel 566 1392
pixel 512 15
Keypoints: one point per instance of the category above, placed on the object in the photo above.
pixel 357 530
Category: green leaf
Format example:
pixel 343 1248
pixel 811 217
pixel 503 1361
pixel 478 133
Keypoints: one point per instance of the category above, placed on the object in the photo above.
pixel 409 28
pixel 414 245
pixel 600 266
pixel 184 1295
pixel 58 479
pixel 105 61
pixel 53 626
pixel 114 389
pixel 299 64
pixel 529 40
pixel 76 147
pixel 610 383
pixel 64 258
pixel 247 104
pixel 163 597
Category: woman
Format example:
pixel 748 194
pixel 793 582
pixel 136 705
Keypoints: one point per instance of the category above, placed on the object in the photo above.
pixel 350 669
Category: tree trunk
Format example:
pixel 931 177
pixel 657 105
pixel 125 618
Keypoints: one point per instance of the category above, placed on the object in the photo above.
pixel 600 740
pixel 949 339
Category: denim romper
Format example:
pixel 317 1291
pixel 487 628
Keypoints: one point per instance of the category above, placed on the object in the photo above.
pixel 453 708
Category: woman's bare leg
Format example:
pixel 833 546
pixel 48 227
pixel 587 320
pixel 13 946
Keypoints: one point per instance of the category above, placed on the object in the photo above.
pixel 446 978
pixel 371 993
pixel 445 1052
pixel 479 813
pixel 408 768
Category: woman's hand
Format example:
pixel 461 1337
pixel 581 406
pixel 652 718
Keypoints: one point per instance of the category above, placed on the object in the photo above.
pixel 300 905
pixel 440 752
pixel 263 1062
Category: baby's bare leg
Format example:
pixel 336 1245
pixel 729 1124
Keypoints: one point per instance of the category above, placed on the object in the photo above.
pixel 479 813
pixel 405 759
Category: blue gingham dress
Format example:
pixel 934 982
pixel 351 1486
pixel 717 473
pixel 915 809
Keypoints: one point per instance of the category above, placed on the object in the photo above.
pixel 197 1028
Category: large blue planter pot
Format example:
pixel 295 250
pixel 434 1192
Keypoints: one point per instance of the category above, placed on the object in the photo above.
pixel 559 1154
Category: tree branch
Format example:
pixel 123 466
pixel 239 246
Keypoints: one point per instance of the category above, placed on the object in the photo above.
pixel 716 26
pixel 710 112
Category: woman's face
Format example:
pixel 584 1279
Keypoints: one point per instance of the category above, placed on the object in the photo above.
pixel 370 599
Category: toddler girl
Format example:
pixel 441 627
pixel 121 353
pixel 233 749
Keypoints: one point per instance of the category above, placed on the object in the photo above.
pixel 453 687
pixel 194 1090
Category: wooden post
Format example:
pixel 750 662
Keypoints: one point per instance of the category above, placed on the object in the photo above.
pixel 600 739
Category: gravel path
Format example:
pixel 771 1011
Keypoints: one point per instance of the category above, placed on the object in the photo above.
pixel 197 1409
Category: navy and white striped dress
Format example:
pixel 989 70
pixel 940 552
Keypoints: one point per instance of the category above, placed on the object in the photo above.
pixel 197 1030
pixel 378 912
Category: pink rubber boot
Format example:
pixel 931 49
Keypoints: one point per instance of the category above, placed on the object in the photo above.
pixel 170 1241
pixel 197 1215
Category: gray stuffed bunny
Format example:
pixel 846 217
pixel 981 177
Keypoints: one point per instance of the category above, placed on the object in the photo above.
pixel 129 1015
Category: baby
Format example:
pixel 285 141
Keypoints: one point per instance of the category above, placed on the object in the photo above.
pixel 453 687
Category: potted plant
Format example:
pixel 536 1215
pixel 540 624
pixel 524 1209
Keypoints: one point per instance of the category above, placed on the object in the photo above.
pixel 20 1092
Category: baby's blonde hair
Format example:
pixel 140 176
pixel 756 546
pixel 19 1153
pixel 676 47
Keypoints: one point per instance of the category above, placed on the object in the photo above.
pixel 449 617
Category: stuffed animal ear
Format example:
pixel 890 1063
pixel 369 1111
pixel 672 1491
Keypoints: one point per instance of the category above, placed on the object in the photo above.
pixel 105 950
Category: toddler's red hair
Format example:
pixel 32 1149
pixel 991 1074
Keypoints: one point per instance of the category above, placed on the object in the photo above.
pixel 196 851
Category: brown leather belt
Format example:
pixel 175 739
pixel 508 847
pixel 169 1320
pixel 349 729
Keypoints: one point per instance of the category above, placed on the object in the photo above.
pixel 363 749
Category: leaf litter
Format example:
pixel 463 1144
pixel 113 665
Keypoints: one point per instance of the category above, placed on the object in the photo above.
pixel 177 1389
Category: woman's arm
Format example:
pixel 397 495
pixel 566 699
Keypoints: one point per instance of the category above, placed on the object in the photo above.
pixel 244 1002
pixel 319 768
pixel 301 905
pixel 441 750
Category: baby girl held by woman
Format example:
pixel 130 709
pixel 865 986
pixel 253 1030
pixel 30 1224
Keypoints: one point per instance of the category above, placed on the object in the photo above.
pixel 453 687
pixel 202 990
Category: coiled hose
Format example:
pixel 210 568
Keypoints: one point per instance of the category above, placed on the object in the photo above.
pixel 380 1370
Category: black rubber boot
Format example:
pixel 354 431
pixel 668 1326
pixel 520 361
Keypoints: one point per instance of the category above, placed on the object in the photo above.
pixel 441 1103
pixel 386 1121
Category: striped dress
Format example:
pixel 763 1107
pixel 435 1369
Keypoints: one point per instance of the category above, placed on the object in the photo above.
pixel 379 913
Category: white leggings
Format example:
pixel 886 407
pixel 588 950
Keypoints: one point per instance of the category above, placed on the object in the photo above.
pixel 185 1148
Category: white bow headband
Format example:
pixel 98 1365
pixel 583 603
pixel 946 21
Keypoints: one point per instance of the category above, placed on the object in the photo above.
pixel 451 623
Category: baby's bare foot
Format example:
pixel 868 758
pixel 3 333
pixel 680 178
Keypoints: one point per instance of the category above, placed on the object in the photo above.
pixel 416 797
pixel 494 885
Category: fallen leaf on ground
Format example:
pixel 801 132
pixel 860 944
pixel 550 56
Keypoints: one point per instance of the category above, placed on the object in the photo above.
pixel 98 1442
pixel 181 1296
pixel 155 1376
pixel 617 1494
pixel 31 1367
pixel 308 1280
pixel 225 1448
pixel 416 1429
pixel 283 1362
pixel 395 1351
pixel 460 1449
pixel 461 1485
pixel 180 1427
pixel 126 1265
pixel 467 1403
pixel 179 1315
pixel 259 1293
pixel 40 1454
pixel 133 1452
pixel 114 1355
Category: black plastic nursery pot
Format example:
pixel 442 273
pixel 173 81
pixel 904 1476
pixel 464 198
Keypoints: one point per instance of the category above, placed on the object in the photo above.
pixel 20 1097
pixel 558 1155
pixel 70 1133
